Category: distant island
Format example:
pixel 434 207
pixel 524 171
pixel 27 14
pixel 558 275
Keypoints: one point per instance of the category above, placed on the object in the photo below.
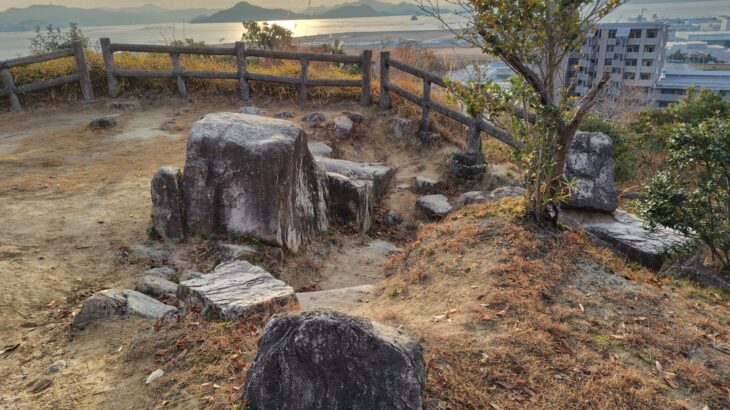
pixel 25 19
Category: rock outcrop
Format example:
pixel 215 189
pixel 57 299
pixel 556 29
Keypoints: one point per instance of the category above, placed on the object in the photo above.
pixel 108 304
pixel 379 174
pixel 252 176
pixel 626 233
pixel 236 291
pixel 351 200
pixel 167 202
pixel 590 166
pixel 433 207
pixel 329 360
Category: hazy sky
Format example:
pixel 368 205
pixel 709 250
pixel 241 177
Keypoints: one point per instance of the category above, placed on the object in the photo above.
pixel 294 4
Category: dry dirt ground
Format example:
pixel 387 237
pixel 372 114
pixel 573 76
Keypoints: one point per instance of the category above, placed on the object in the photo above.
pixel 74 200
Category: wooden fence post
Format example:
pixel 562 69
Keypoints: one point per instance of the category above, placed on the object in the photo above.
pixel 177 70
pixel 243 87
pixel 10 86
pixel 303 85
pixel 426 117
pixel 109 67
pixel 474 137
pixel 384 79
pixel 367 68
pixel 84 78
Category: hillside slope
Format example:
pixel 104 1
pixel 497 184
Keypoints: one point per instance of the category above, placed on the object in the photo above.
pixel 514 316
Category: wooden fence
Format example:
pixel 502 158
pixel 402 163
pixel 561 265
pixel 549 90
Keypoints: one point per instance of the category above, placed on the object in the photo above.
pixel 243 75
pixel 476 125
pixel 81 76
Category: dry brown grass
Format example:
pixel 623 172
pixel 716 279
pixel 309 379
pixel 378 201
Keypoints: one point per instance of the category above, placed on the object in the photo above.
pixel 515 316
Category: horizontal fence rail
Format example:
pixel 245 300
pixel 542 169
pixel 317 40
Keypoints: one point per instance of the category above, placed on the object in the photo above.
pixel 11 90
pixel 476 125
pixel 242 74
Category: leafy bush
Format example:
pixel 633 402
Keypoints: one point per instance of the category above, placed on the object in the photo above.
pixel 53 39
pixel 189 42
pixel 267 37
pixel 691 194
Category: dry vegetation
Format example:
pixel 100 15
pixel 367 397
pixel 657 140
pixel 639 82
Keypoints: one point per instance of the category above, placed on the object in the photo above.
pixel 513 316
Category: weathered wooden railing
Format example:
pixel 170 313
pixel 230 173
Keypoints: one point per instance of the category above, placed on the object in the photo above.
pixel 476 125
pixel 242 74
pixel 81 76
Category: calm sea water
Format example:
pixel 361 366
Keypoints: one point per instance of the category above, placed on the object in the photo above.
pixel 17 43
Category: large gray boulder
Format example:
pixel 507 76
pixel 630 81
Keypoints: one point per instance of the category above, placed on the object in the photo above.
pixel 379 174
pixel 590 166
pixel 329 360
pixel 110 303
pixel 236 291
pixel 626 233
pixel 351 201
pixel 433 207
pixel 252 176
pixel 167 199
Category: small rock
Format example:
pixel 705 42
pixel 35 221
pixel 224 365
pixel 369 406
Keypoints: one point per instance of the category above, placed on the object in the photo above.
pixel 229 252
pixel 403 187
pixel 107 121
pixel 320 149
pixel 480 197
pixel 343 127
pixel 154 376
pixel 40 385
pixel 425 185
pixel 433 207
pixel 355 117
pixel 400 128
pixel 56 367
pixel 392 218
pixel 314 119
pixel 284 115
pixel 156 286
pixel 472 197
pixel 190 274
pixel 150 252
pixel 276 254
pixel 126 105
pixel 110 303
pixel 164 272
pixel 428 137
pixel 251 110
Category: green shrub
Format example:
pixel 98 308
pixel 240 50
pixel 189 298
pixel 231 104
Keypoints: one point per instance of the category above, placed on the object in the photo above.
pixel 267 37
pixel 691 193
pixel 53 39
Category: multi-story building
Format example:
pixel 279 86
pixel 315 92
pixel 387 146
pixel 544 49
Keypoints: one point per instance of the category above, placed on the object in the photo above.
pixel 673 84
pixel 631 53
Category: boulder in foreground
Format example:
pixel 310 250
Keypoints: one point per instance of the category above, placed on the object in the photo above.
pixel 236 291
pixel 590 166
pixel 329 360
pixel 253 176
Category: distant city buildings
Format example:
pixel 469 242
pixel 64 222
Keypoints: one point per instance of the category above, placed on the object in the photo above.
pixel 673 84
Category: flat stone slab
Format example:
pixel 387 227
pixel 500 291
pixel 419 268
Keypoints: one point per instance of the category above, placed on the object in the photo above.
pixel 342 299
pixel 236 291
pixel 156 286
pixel 434 207
pixel 426 185
pixel 626 233
pixel 320 149
pixel 379 174
pixel 110 303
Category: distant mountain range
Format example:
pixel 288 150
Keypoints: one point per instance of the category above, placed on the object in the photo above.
pixel 362 8
pixel 24 19
pixel 17 19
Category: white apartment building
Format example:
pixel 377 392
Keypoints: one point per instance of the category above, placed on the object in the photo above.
pixel 632 53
